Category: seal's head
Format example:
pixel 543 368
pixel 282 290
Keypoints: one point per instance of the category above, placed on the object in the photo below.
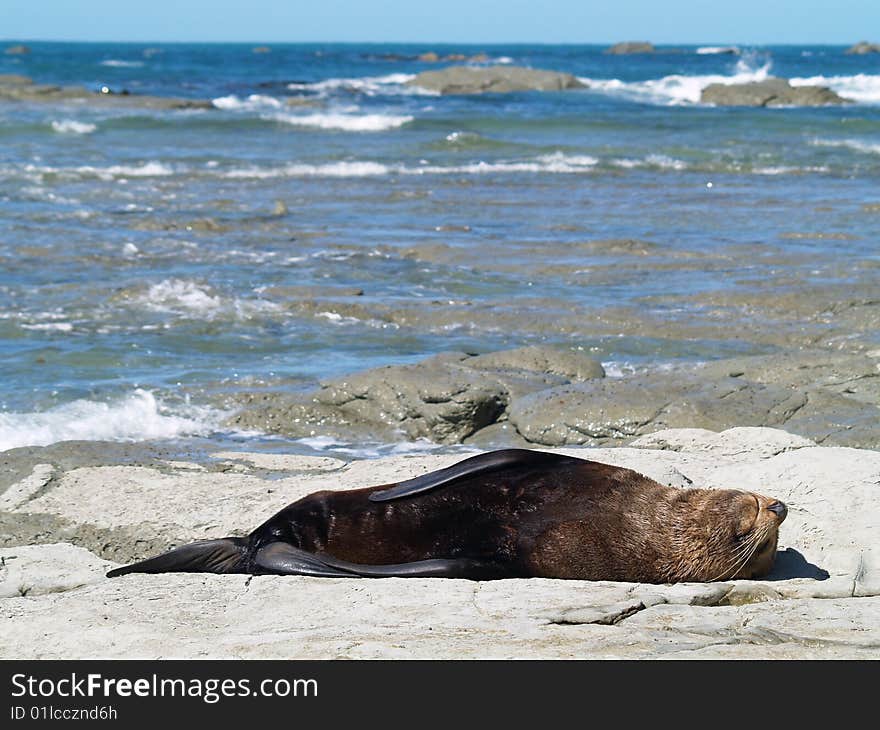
pixel 729 535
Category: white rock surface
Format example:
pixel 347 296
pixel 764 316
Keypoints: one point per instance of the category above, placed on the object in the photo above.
pixel 56 604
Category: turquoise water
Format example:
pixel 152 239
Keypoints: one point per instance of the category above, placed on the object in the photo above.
pixel 326 217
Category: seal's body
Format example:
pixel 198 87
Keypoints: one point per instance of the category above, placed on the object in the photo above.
pixel 505 514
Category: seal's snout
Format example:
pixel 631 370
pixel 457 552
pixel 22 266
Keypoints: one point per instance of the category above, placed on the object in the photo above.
pixel 779 509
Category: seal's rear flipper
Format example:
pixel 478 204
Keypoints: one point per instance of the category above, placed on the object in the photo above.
pixel 481 464
pixel 227 555
pixel 283 559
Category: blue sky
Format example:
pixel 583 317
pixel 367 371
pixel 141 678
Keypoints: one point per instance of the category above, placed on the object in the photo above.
pixel 456 21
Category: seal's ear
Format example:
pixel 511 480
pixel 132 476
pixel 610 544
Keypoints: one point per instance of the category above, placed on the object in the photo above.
pixel 205 556
pixel 475 466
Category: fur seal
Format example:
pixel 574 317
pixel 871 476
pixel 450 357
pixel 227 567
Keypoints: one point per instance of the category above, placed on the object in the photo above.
pixel 504 514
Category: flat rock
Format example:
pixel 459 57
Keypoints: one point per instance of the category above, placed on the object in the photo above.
pixel 770 92
pixel 621 408
pixel 495 79
pixel 630 47
pixel 23 89
pixel 821 601
pixel 31 570
pixel 744 440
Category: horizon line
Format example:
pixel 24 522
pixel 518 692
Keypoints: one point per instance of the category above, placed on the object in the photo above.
pixel 658 44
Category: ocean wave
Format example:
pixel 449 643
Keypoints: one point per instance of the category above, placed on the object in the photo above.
pixel 117 63
pixel 676 90
pixel 145 169
pixel 553 163
pixel 330 169
pixel 861 88
pixel 663 162
pixel 71 126
pixel 857 145
pixel 714 50
pixel 391 85
pixel 254 102
pixel 136 416
pixel 188 298
pixel 49 326
pixel 344 122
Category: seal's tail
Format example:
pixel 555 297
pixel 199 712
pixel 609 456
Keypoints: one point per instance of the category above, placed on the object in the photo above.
pixel 227 555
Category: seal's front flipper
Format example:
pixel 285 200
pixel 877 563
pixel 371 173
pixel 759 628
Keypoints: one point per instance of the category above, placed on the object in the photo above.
pixel 476 465
pixel 283 559
pixel 227 555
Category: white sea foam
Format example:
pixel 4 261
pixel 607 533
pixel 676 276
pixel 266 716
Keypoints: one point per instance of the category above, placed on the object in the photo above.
pixel 254 102
pixel 788 170
pixel 344 122
pixel 677 89
pixel 180 295
pixel 50 326
pixel 330 169
pixel 71 126
pixel 664 162
pixel 136 416
pixel 188 298
pixel 376 450
pixel 117 63
pixel 861 88
pixel 389 85
pixel 713 50
pixel 857 145
pixel 556 162
pixel 146 169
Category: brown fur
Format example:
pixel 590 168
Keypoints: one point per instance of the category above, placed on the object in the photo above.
pixel 505 514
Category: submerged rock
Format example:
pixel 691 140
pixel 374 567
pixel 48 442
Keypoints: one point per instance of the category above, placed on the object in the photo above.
pixel 494 79
pixel 770 92
pixel 19 50
pixel 628 47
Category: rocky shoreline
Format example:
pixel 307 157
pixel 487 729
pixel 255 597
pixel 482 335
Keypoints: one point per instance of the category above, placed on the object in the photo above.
pixel 545 396
pixel 821 601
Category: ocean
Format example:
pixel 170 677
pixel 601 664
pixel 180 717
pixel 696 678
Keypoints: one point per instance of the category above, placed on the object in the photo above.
pixel 325 217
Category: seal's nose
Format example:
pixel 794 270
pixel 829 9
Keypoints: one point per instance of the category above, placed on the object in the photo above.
pixel 779 509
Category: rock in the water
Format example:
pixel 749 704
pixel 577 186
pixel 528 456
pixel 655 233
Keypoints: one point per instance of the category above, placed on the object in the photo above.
pixel 14 80
pixel 862 48
pixel 20 88
pixel 19 50
pixel 495 79
pixel 770 92
pixel 445 398
pixel 627 47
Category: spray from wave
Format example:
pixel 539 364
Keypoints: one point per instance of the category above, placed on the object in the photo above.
pixel 861 88
pixel 677 89
pixel 134 417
